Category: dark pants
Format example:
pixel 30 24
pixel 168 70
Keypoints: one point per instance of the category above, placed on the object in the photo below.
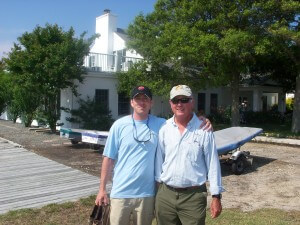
pixel 181 207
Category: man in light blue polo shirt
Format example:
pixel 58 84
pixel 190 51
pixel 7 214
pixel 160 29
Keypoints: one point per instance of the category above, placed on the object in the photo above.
pixel 130 153
pixel 185 158
pixel 130 150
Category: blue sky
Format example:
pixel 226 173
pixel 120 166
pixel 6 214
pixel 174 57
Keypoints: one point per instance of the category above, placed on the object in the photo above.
pixel 19 16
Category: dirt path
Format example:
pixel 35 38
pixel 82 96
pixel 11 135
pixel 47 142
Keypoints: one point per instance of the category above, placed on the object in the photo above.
pixel 273 181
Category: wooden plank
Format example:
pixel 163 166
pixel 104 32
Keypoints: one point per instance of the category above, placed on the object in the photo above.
pixel 28 180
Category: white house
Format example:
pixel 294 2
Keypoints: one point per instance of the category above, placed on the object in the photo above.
pixel 109 54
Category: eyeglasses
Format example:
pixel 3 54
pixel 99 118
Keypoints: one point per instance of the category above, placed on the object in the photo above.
pixel 182 100
pixel 134 133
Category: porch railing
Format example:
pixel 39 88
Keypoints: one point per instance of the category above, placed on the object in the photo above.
pixel 99 62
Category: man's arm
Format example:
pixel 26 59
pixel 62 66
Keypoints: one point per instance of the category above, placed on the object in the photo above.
pixel 107 166
pixel 214 174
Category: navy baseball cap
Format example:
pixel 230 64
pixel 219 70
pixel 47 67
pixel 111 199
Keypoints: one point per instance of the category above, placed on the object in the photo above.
pixel 141 90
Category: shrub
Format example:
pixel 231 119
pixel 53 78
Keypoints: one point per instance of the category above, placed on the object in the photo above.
pixel 221 115
pixel 271 116
pixel 91 115
pixel 289 104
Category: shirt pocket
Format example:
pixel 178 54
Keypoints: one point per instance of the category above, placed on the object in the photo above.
pixel 195 152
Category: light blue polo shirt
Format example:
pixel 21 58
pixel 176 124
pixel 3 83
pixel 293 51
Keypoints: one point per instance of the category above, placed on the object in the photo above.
pixel 133 149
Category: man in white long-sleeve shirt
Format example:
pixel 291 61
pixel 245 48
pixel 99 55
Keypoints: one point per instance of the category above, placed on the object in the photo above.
pixel 186 157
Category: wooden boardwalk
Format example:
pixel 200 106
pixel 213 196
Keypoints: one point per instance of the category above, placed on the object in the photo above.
pixel 28 180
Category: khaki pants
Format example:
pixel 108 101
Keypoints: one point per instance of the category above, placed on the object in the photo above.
pixel 186 207
pixel 142 210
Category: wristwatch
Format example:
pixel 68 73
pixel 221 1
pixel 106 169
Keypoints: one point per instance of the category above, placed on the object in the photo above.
pixel 218 196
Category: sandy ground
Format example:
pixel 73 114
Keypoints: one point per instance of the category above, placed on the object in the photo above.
pixel 273 181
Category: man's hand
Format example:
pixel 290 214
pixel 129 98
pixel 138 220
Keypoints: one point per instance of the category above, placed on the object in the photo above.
pixel 107 165
pixel 206 125
pixel 102 198
pixel 215 208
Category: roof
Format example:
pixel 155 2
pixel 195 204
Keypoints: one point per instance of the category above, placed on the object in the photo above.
pixel 122 34
pixel 259 81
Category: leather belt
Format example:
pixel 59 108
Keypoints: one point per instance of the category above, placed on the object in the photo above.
pixel 178 189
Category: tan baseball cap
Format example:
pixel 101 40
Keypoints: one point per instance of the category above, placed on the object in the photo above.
pixel 180 90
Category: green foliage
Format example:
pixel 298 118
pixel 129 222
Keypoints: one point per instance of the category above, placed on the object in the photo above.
pixel 48 59
pixel 271 116
pixel 289 104
pixel 139 74
pixel 25 102
pixel 208 43
pixel 91 115
pixel 221 116
pixel 18 100
pixel 4 91
pixel 13 112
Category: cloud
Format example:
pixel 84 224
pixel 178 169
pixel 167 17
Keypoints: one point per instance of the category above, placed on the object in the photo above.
pixel 5 47
pixel 7 37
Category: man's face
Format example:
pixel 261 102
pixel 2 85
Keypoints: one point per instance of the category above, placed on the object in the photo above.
pixel 182 106
pixel 141 104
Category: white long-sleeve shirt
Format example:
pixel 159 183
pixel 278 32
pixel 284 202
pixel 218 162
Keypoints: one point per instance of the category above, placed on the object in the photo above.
pixel 188 159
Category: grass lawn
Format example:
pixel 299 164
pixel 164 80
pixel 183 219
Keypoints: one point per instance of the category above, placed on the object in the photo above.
pixel 78 213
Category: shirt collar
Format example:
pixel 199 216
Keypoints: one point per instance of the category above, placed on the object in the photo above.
pixel 189 123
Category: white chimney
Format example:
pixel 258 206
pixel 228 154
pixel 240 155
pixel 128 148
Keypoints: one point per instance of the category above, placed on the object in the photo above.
pixel 106 25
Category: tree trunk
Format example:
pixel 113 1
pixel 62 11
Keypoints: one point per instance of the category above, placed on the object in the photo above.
pixel 235 114
pixel 51 111
pixel 27 119
pixel 296 111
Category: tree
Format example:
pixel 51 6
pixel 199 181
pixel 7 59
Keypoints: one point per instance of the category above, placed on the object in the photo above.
pixel 47 60
pixel 206 43
pixel 6 85
pixel 287 36
pixel 282 60
pixel 139 74
pixel 4 94
pixel 25 101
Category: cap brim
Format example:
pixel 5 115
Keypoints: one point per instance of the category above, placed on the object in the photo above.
pixel 138 94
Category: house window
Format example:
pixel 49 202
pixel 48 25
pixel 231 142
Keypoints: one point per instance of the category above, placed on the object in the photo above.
pixel 201 103
pixel 123 104
pixel 101 97
pixel 213 103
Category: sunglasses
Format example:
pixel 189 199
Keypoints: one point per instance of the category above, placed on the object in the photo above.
pixel 182 100
pixel 135 135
